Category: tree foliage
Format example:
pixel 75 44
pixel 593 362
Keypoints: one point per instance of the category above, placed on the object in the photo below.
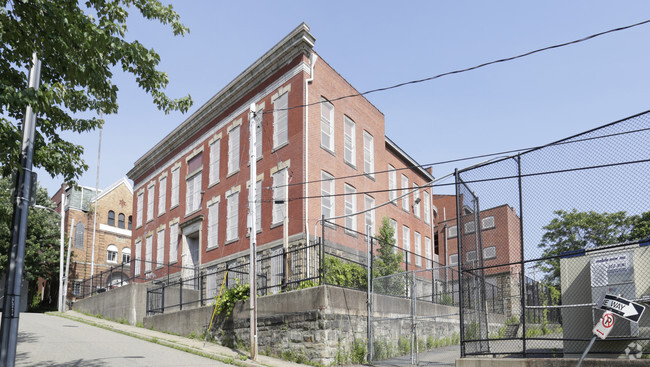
pixel 80 43
pixel 388 262
pixel 42 245
pixel 573 230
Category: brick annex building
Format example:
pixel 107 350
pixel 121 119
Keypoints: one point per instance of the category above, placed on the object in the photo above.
pixel 191 188
pixel 112 234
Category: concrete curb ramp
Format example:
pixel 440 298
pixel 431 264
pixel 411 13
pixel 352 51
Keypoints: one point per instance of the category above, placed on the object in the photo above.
pixel 194 346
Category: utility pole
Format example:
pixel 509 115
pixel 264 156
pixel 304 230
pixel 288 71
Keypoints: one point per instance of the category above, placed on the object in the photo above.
pixel 92 253
pixel 252 268
pixel 61 250
pixel 11 304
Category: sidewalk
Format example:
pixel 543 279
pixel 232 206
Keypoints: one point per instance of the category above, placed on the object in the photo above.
pixel 194 346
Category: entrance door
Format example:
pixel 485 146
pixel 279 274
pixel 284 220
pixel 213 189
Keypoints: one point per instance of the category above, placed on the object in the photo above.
pixel 190 260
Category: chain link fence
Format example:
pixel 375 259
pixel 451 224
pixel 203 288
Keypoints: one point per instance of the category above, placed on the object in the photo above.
pixel 555 228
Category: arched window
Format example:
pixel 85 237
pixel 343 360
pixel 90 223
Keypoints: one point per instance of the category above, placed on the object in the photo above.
pixel 120 220
pixel 129 222
pixel 126 255
pixel 111 218
pixel 79 235
pixel 111 254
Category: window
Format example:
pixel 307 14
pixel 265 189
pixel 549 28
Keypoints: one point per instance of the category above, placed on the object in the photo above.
pixel 258 138
pixel 160 248
pixel 370 215
pixel 138 216
pixel 452 232
pixel 349 142
pixel 427 251
pixel 233 150
pixel 193 194
pixel 76 287
pixel 406 240
pixel 111 218
pixel 111 254
pixel 405 199
pixel 215 159
pixel 148 254
pixel 417 243
pixel 126 255
pixel 176 178
pixel 488 222
pixel 213 225
pixel 350 207
pixel 136 257
pixel 393 223
pixel 327 125
pixel 453 259
pixel 392 184
pixel 258 205
pixel 173 242
pixel 368 154
pixel 280 120
pixel 427 207
pixel 489 253
pixel 469 227
pixel 79 236
pixel 279 188
pixel 120 221
pixel 150 194
pixel 327 192
pixel 162 196
pixel 471 256
pixel 232 217
pixel 416 201
pixel 130 221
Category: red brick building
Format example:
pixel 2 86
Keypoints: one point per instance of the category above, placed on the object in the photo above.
pixel 112 242
pixel 191 189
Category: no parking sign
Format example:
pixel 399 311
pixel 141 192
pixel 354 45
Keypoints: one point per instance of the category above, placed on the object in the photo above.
pixel 605 325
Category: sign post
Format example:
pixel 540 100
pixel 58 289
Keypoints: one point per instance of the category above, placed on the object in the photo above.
pixel 601 330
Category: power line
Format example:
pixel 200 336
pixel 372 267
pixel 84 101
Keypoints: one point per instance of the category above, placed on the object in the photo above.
pixel 458 71
pixel 473 157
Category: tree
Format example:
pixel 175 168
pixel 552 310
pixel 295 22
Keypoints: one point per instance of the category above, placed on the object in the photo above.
pixel 388 262
pixel 573 230
pixel 42 244
pixel 79 43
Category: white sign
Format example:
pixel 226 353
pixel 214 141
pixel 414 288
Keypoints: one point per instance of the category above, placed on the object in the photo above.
pixel 603 267
pixel 623 307
pixel 604 326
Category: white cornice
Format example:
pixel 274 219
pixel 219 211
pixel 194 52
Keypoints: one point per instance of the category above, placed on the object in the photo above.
pixel 299 41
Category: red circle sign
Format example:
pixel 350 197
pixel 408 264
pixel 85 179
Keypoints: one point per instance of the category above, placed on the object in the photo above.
pixel 608 321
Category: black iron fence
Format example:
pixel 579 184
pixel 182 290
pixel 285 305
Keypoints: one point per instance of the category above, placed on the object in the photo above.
pixel 564 224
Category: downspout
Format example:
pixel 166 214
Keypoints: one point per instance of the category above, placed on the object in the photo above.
pixel 312 60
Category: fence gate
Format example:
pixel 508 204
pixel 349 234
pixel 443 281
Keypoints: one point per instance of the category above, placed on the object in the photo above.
pixel 155 298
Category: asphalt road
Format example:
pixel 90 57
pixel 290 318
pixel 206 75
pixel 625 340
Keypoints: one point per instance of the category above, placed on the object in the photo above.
pixel 45 340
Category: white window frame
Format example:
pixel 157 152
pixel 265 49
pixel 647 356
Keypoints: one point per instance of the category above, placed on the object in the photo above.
pixel 489 253
pixel 428 251
pixel 470 256
pixel 139 209
pixel 392 184
pixel 349 141
pixel 234 141
pixel 281 120
pixel 470 227
pixel 173 243
pixel 136 256
pixel 327 195
pixel 416 204
pixel 193 193
pixel 452 232
pixel 327 125
pixel 393 223
pixel 111 254
pixel 417 244
pixel 148 254
pixel 350 207
pixel 160 248
pixel 488 222
pixel 259 142
pixel 162 196
pixel 369 202
pixel 150 196
pixel 126 252
pixel 215 161
pixel 368 154
pixel 406 242
pixel 258 205
pixel 279 188
pixel 232 217
pixel 213 225
pixel 453 259
pixel 405 198
pixel 427 207
pixel 176 182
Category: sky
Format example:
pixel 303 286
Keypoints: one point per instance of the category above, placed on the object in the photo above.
pixel 528 102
